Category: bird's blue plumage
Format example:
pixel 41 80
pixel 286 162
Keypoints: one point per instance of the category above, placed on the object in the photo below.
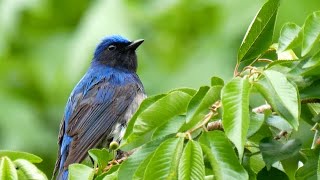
pixel 101 103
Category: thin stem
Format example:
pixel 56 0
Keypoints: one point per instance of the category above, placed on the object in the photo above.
pixel 207 117
pixel 316 137
pixel 265 60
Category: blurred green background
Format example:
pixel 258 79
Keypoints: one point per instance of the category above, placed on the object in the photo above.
pixel 46 46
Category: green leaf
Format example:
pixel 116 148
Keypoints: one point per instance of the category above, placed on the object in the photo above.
pixel 313 61
pixel 311 32
pixel 171 127
pixel 112 176
pixel 259 35
pixel 191 164
pixel 80 171
pixel 164 163
pixel 130 140
pixel 311 67
pixel 199 105
pixel 139 174
pixel 289 37
pixel 129 166
pixel 281 95
pixel 216 81
pixel 189 91
pixel 222 157
pixel 308 170
pixel 7 169
pixel 144 105
pixel 13 155
pixel 247 165
pixel 278 123
pixel 110 173
pixel 27 170
pixel 311 92
pixel 160 112
pixel 100 157
pixel 257 163
pixel 235 117
pixel 273 151
pixel 290 166
pixel 195 101
pixel 256 121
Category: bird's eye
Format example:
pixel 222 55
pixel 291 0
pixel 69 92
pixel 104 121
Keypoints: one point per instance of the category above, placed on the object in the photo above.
pixel 112 47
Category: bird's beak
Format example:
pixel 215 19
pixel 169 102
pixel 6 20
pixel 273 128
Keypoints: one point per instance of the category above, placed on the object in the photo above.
pixel 134 44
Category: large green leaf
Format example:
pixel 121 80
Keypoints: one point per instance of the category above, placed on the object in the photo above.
pixel 7 169
pixel 256 121
pixel 164 163
pixel 80 171
pixel 273 150
pixel 222 157
pixel 139 174
pixel 128 167
pixel 259 35
pixel 13 155
pixel 311 67
pixel 308 170
pixel 278 123
pixel 154 112
pixel 195 101
pixel 235 117
pixel 171 127
pixel 290 165
pixel 191 164
pixel 281 95
pixel 200 104
pixel 160 112
pixel 27 170
pixel 314 60
pixel 144 105
pixel 311 32
pixel 289 37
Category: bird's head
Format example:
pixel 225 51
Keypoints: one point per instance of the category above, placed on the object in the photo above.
pixel 117 51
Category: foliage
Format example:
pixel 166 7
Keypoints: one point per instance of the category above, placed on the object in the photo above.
pixel 171 133
pixel 18 165
pixel 217 131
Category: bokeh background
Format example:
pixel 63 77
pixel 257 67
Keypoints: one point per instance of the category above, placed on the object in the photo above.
pixel 46 46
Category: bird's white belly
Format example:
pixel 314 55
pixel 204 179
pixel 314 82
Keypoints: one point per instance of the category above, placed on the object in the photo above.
pixel 119 128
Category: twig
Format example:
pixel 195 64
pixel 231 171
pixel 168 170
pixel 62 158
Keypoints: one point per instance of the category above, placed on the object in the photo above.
pixel 215 125
pixel 306 101
pixel 207 117
pixel 262 108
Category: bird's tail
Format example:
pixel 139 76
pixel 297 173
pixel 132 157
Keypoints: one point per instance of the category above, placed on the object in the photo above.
pixel 60 173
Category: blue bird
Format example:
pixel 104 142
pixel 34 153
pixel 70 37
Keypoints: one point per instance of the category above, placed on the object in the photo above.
pixel 101 104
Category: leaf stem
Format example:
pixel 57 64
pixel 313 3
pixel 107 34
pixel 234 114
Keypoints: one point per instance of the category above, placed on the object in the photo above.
pixel 316 138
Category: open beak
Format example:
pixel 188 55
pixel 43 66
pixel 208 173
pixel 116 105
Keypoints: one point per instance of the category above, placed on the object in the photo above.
pixel 134 44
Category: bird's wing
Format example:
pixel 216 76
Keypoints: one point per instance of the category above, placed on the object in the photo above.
pixel 95 115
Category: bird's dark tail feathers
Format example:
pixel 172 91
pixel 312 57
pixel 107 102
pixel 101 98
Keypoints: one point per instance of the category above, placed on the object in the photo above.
pixel 59 172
